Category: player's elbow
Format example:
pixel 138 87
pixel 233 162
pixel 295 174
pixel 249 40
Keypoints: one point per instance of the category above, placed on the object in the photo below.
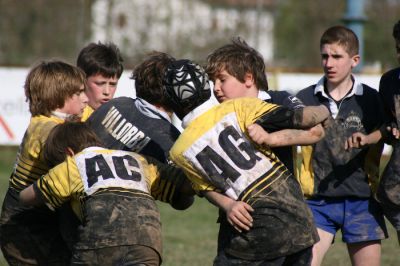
pixel 183 202
pixel 317 133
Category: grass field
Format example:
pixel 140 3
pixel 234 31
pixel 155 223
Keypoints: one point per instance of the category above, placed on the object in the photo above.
pixel 190 236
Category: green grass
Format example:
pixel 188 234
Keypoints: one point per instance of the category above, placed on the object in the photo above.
pixel 190 237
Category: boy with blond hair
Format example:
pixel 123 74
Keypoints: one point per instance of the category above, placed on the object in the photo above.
pixel 55 92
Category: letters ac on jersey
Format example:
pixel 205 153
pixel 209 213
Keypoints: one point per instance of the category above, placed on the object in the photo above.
pixel 94 169
pixel 110 169
pixel 217 155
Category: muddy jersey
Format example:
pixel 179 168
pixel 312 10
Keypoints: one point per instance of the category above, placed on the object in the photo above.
pixel 389 89
pixel 217 155
pixel 389 188
pixel 328 169
pixel 125 124
pixel 88 177
pixel 285 154
pixel 30 164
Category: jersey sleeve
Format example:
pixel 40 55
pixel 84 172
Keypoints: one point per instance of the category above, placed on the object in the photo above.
pixel 59 184
pixel 286 99
pixel 277 119
pixel 166 182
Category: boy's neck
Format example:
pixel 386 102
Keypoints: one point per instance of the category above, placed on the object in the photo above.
pixel 340 90
pixel 60 114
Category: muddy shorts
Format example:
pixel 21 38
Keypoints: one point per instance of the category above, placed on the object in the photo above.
pixel 359 219
pixel 120 255
pixel 301 258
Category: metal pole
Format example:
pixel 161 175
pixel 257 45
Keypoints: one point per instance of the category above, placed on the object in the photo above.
pixel 355 19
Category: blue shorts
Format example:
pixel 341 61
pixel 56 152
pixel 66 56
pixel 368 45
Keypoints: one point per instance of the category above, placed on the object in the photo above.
pixel 360 220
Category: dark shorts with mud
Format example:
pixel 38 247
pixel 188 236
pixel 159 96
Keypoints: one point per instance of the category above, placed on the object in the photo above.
pixel 122 255
pixel 112 219
pixel 282 226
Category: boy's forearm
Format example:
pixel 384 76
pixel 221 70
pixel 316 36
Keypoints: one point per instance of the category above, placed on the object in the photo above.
pixel 290 137
pixel 310 116
pixel 374 137
pixel 218 199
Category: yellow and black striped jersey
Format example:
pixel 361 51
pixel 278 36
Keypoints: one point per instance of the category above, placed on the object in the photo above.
pixel 30 165
pixel 216 153
pixel 86 113
pixel 98 169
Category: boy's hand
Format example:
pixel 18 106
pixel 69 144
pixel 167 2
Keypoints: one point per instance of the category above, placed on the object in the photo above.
pixel 258 134
pixel 238 215
pixel 355 141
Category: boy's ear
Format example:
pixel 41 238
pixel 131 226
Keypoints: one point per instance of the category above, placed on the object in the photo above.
pixel 356 60
pixel 70 152
pixel 248 80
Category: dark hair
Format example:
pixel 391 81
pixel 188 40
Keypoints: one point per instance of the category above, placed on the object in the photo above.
pixel 343 36
pixel 149 75
pixel 50 83
pixel 396 31
pixel 74 135
pixel 238 59
pixel 98 58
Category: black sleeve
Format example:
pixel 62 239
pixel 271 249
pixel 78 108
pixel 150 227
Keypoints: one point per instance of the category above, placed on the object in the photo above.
pixel 280 118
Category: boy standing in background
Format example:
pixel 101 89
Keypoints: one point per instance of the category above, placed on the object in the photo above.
pixel 337 182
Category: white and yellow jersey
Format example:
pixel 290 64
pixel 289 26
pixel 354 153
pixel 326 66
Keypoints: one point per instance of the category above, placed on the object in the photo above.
pixel 216 153
pixel 96 169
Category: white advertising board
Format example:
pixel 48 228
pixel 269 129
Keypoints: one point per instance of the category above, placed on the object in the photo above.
pixel 14 112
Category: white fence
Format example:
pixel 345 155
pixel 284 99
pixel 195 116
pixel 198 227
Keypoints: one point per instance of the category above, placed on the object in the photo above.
pixel 14 112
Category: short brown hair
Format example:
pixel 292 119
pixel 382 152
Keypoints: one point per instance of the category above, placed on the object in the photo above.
pixel 74 135
pixel 149 75
pixel 238 59
pixel 343 36
pixel 49 84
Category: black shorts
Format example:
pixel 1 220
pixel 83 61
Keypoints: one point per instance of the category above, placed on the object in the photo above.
pixel 30 235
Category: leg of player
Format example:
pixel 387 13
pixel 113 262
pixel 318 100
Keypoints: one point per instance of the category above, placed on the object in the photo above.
pixel 321 247
pixel 365 253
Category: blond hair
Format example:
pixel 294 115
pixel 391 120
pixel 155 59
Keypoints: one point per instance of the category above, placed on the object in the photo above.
pixel 50 83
